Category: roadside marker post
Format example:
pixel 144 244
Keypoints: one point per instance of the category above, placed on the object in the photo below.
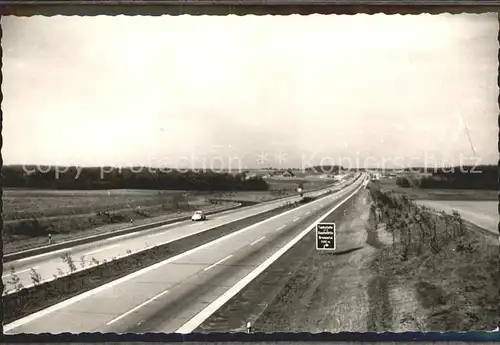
pixel 249 327
pixel 326 236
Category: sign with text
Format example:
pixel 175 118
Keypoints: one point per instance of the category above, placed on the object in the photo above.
pixel 325 236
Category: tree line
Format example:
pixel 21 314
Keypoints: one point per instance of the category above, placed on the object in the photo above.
pixel 481 177
pixel 78 178
pixel 332 169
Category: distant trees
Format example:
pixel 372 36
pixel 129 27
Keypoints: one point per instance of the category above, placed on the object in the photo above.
pixel 484 177
pixel 403 181
pixel 332 169
pixel 127 178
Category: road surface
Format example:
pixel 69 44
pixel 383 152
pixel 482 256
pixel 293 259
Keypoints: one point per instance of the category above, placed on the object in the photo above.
pixel 172 296
pixel 49 264
pixel 482 213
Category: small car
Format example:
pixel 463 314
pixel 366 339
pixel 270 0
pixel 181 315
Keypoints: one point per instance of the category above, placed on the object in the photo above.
pixel 198 215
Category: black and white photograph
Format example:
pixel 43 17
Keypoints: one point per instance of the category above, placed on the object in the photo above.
pixel 185 174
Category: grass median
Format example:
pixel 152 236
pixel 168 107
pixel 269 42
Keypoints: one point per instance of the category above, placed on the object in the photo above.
pixel 24 301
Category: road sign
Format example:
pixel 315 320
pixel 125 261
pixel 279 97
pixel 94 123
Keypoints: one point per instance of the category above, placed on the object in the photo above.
pixel 325 236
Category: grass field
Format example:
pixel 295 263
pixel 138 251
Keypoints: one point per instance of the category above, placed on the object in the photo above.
pixel 30 215
pixel 25 204
pixel 439 194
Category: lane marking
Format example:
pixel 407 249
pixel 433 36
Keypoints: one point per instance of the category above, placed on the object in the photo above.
pixel 134 309
pixel 296 219
pixel 257 241
pixel 28 269
pixel 307 212
pixel 159 234
pixel 77 298
pixel 218 262
pixel 45 254
pixel 199 318
pixel 122 236
pixel 101 249
pixel 281 227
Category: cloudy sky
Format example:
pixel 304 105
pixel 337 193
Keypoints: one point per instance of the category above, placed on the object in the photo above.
pixel 291 90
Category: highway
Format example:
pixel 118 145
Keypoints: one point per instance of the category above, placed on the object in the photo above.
pixel 177 294
pixel 48 264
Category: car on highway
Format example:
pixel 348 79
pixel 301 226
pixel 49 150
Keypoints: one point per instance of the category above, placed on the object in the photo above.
pixel 198 215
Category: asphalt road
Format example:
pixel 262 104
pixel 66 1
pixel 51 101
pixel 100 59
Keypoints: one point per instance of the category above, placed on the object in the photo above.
pixel 482 213
pixel 49 264
pixel 168 296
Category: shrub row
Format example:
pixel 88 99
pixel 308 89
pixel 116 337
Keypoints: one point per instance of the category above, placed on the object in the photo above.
pixel 415 229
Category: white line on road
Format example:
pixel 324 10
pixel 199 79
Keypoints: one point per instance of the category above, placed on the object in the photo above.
pixel 296 219
pixel 134 309
pixel 121 236
pixel 281 227
pixel 199 318
pixel 77 298
pixel 260 239
pixel 307 212
pixel 28 269
pixel 218 262
pixel 101 249
pixel 158 234
pixel 45 254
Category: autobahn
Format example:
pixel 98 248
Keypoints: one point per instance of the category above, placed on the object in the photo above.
pixel 177 294
pixel 49 264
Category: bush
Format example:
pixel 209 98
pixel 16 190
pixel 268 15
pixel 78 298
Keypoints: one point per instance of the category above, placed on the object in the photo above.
pixel 416 229
pixel 403 181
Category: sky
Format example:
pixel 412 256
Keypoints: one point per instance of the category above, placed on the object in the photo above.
pixel 252 91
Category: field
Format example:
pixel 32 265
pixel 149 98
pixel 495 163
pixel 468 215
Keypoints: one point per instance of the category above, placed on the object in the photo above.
pixel 481 213
pixel 439 194
pixel 25 204
pixel 30 215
